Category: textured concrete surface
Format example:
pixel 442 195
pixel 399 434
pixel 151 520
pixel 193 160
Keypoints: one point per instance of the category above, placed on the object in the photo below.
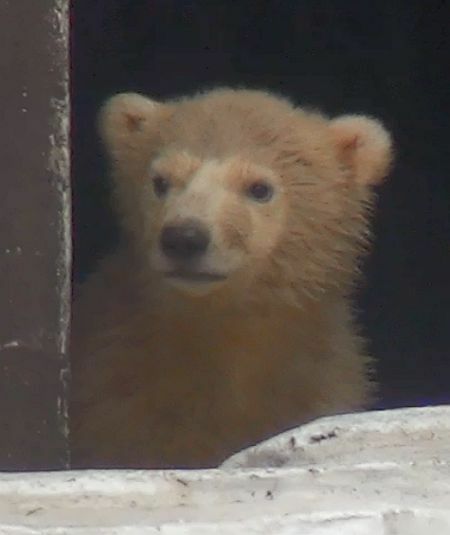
pixel 384 473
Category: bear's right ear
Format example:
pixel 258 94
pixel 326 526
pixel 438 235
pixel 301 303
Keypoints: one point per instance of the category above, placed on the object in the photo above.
pixel 125 119
pixel 364 146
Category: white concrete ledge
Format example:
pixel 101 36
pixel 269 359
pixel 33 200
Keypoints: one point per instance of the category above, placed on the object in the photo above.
pixel 385 473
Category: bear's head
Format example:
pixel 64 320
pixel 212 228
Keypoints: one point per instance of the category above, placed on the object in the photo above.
pixel 239 191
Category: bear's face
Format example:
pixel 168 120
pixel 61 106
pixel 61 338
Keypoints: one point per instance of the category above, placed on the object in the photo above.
pixel 238 190
pixel 213 221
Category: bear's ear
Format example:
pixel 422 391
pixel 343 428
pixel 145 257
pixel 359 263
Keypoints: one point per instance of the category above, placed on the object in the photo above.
pixel 364 146
pixel 125 119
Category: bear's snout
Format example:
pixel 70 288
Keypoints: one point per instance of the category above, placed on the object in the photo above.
pixel 184 241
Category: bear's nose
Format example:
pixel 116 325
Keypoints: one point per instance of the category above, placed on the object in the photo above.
pixel 184 241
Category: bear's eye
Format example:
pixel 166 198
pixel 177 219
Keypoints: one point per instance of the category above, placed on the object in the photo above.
pixel 161 185
pixel 260 191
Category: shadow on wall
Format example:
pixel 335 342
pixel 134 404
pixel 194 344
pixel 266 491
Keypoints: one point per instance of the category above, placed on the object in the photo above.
pixel 386 59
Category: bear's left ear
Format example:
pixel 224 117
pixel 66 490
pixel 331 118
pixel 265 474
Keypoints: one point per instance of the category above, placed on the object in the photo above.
pixel 125 119
pixel 364 146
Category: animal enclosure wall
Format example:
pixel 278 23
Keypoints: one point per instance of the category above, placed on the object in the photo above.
pixel 35 249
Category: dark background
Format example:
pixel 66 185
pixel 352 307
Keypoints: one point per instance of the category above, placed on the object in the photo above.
pixel 390 59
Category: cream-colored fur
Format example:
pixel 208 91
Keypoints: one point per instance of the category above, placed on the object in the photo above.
pixel 176 372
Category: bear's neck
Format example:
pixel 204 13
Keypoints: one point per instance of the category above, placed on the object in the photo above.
pixel 254 324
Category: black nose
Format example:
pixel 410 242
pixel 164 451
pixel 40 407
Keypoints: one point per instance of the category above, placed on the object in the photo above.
pixel 184 241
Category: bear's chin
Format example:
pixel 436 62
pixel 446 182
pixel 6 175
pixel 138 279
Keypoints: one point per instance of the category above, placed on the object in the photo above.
pixel 195 284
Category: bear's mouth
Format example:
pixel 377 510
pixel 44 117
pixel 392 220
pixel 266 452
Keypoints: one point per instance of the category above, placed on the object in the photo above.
pixel 195 276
